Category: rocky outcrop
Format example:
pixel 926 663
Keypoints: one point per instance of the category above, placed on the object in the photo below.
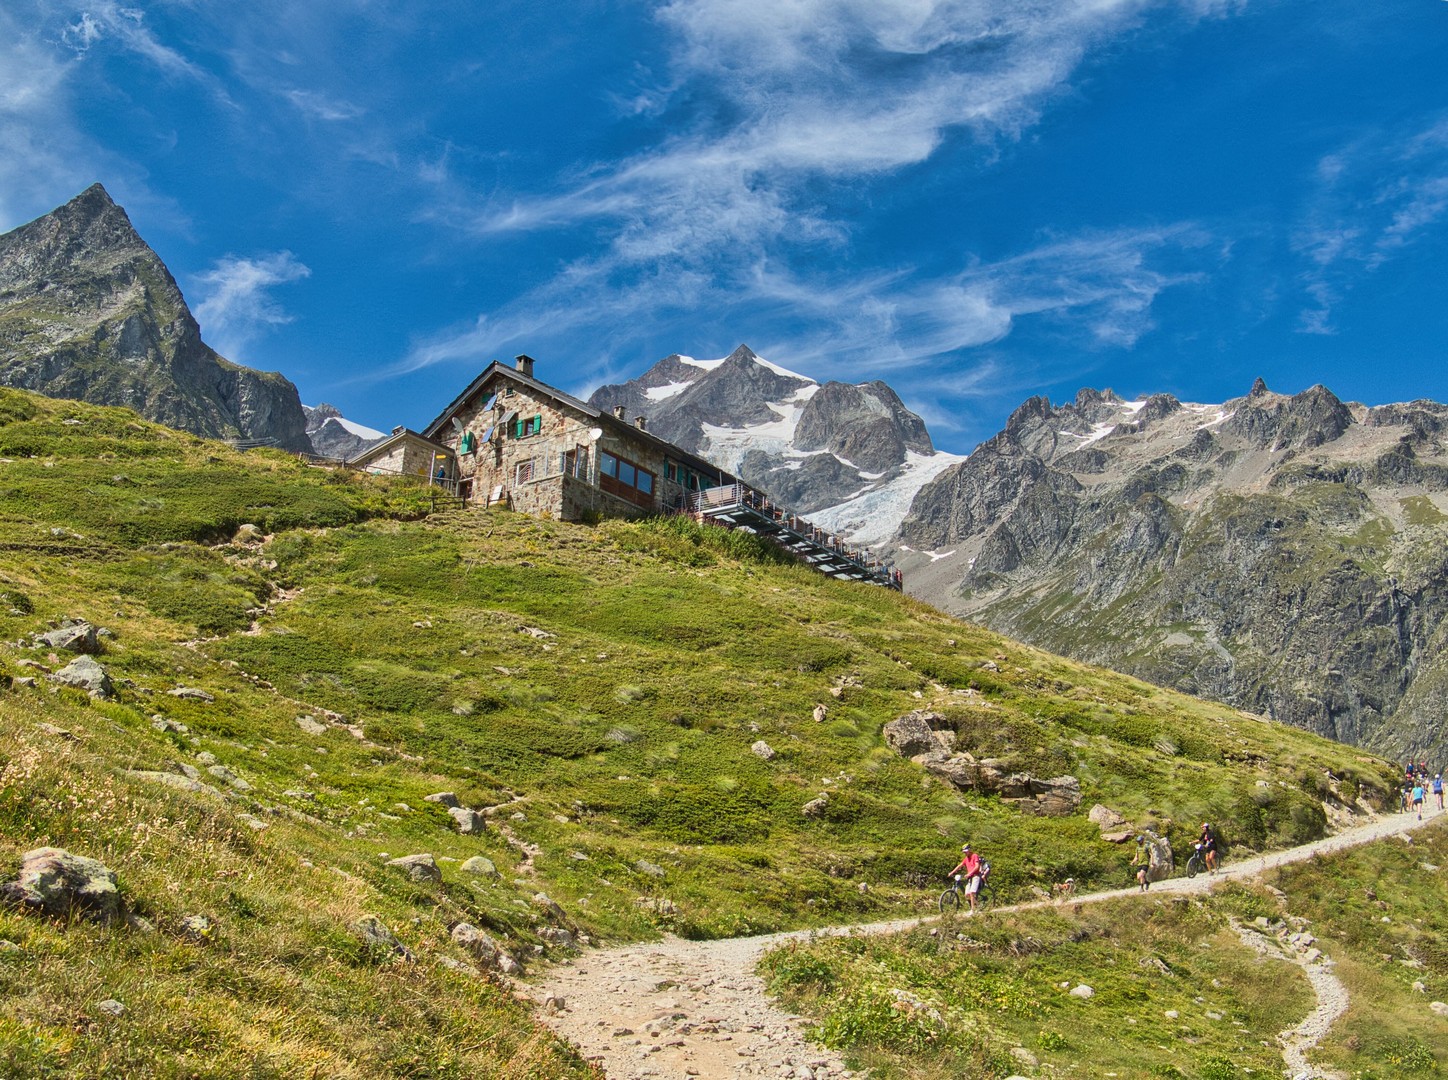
pixel 84 673
pixel 928 739
pixel 1281 553
pixel 89 311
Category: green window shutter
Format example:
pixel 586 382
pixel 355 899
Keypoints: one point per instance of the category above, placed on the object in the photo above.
pixel 518 428
pixel 538 424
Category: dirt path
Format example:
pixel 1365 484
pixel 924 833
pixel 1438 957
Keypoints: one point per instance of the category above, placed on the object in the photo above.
pixel 678 1009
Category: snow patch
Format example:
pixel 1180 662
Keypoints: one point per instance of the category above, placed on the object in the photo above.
pixel 360 430
pixel 936 556
pixel 662 393
pixel 874 516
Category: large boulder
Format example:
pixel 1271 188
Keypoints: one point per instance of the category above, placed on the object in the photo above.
pixel 914 733
pixel 55 882
pixel 468 822
pixel 1056 797
pixel 83 673
pixel 419 868
pixel 76 636
pixel 1157 851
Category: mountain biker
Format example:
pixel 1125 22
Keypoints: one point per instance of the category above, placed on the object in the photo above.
pixel 969 866
pixel 1208 842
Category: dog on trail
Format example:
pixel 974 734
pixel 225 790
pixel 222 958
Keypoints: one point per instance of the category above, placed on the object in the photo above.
pixel 1063 890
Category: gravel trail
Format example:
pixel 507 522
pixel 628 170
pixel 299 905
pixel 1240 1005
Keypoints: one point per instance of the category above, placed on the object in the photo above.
pixel 678 1009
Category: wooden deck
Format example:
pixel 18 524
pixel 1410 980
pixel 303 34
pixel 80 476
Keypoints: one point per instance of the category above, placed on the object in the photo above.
pixel 739 506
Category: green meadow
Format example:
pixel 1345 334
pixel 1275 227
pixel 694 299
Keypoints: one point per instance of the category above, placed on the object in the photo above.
pixel 598 689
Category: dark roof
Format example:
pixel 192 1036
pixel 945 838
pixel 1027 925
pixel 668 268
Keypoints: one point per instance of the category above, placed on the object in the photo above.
pixel 605 419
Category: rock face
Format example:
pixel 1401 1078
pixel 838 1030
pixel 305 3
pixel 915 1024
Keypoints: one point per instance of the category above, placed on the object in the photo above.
pixel 1281 553
pixel 88 311
pixel 54 882
pixel 850 457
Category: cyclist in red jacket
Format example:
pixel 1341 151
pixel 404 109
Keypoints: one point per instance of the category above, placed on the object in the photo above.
pixel 969 865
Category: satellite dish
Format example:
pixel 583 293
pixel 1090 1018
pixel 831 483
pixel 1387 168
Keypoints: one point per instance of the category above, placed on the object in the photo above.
pixel 457 424
pixel 594 434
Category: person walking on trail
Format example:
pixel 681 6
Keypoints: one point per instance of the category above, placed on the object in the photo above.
pixel 1142 861
pixel 1438 789
pixel 1209 847
pixel 969 866
pixel 1418 799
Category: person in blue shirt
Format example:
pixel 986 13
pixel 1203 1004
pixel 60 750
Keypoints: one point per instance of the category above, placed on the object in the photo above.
pixel 1438 789
pixel 1418 799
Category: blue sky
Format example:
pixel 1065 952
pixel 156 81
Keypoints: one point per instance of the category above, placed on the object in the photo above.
pixel 974 200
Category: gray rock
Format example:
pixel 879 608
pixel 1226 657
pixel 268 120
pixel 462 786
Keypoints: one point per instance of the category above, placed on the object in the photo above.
pixel 643 866
pixel 55 882
pixel 1104 817
pixel 468 822
pixel 557 937
pixel 86 674
pixel 161 724
pixel 197 928
pixel 248 534
pixel 914 733
pixel 111 1007
pixel 446 798
pixel 171 780
pixel 191 693
pixel 816 807
pixel 418 867
pixel 482 948
pixel 226 776
pixel 375 935
pixel 763 750
pixel 480 865
pixel 73 636
pixel 310 726
pixel 555 912
pixel 1083 991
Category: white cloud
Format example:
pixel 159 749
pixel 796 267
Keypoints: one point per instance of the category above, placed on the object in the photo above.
pixel 824 97
pixel 1374 198
pixel 237 306
pixel 320 106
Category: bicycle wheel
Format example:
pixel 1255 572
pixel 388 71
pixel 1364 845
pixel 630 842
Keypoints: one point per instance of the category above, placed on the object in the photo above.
pixel 949 902
pixel 1195 865
pixel 984 898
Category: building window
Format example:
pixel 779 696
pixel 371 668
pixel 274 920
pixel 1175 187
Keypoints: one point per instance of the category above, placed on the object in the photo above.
pixel 623 478
pixel 528 425
pixel 523 473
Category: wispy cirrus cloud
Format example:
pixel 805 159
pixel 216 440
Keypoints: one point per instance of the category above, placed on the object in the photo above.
pixel 237 305
pixel 792 106
pixel 1372 199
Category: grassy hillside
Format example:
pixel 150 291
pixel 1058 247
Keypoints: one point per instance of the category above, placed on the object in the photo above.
pixel 601 687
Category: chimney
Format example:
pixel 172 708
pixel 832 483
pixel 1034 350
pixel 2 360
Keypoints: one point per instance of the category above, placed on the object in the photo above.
pixel 525 365
pixel 618 412
pixel 639 422
pixel 399 429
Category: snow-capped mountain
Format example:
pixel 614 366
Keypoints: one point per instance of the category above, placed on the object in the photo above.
pixel 334 436
pixel 849 456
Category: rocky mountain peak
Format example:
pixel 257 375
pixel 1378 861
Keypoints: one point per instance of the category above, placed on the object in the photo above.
pixel 89 311
pixel 815 448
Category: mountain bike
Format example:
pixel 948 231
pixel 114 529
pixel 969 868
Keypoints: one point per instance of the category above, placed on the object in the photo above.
pixel 954 897
pixel 1198 862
